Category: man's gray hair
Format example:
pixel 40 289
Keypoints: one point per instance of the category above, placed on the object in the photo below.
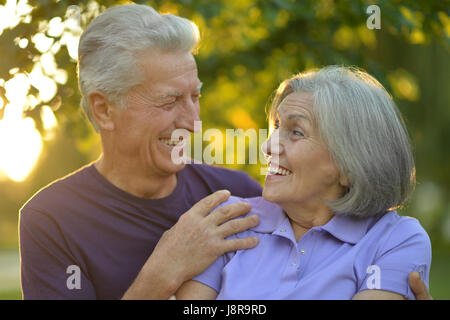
pixel 111 46
pixel 365 134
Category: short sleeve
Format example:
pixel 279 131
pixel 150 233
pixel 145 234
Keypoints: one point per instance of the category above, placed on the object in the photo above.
pixel 407 249
pixel 212 276
pixel 48 269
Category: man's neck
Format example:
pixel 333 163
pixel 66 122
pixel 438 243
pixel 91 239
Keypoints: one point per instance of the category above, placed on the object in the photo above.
pixel 135 182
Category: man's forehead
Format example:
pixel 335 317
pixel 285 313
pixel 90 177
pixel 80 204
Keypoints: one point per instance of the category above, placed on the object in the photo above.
pixel 169 73
pixel 161 65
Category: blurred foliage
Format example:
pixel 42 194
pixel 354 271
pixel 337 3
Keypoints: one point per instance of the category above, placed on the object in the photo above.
pixel 247 49
pixel 247 46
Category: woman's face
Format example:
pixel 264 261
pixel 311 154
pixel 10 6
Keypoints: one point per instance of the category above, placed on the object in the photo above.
pixel 308 175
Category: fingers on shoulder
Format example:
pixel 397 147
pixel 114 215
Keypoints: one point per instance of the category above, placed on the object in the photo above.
pixel 230 211
pixel 241 244
pixel 238 225
pixel 207 204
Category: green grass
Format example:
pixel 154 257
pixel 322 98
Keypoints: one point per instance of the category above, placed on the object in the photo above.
pixel 11 295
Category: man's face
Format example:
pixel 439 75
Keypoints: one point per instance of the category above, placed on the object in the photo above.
pixel 167 99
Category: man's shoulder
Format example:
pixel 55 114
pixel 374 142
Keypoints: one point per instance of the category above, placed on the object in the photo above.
pixel 237 182
pixel 215 170
pixel 57 190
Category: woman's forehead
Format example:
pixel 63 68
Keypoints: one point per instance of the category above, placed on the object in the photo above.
pixel 297 102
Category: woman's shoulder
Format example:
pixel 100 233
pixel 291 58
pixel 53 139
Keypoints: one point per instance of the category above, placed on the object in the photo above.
pixel 401 225
pixel 270 214
pixel 396 230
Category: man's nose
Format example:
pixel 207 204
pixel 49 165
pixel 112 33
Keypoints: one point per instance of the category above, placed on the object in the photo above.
pixel 189 113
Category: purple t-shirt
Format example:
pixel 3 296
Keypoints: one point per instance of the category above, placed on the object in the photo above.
pixel 82 224
pixel 333 261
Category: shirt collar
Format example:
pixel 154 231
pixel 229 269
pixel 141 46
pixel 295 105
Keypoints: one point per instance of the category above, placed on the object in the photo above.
pixel 346 228
pixel 270 214
pixel 272 217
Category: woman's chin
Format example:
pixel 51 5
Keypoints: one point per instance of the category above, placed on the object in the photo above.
pixel 269 195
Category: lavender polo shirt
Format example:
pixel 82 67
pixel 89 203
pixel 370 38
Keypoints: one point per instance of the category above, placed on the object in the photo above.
pixel 333 261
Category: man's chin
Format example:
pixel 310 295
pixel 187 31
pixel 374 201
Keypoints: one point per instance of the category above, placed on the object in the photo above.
pixel 164 160
pixel 172 168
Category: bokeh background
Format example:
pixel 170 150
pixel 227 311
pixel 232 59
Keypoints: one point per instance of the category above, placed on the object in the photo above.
pixel 247 49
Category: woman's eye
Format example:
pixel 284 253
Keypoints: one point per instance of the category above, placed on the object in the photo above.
pixel 276 124
pixel 298 133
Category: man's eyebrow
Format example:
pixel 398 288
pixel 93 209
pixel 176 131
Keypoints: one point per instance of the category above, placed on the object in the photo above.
pixel 170 94
pixel 176 93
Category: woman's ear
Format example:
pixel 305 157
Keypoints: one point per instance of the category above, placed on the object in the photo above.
pixel 101 109
pixel 344 180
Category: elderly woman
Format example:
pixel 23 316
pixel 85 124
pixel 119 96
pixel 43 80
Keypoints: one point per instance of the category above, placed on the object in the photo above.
pixel 340 162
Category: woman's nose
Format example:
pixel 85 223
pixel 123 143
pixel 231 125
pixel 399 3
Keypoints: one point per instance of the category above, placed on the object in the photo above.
pixel 272 145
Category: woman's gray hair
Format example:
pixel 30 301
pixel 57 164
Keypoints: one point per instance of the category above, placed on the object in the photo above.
pixel 365 134
pixel 111 45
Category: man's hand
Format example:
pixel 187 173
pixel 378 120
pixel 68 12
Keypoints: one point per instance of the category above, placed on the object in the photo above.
pixel 191 245
pixel 418 287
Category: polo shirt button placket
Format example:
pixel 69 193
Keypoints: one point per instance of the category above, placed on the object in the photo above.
pixel 297 269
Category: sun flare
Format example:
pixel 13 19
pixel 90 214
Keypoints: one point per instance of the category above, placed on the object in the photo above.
pixel 20 147
pixel 20 141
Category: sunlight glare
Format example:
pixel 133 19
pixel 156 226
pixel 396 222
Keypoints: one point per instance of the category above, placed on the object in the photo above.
pixel 46 86
pixel 20 147
pixel 48 118
pixel 20 141
pixel 16 92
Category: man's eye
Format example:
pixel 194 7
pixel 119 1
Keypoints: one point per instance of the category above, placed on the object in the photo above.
pixel 196 97
pixel 167 105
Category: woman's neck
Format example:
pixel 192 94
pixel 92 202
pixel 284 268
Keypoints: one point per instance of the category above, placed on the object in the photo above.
pixel 303 218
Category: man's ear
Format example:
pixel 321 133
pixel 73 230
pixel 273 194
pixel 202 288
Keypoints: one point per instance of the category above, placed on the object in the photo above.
pixel 101 109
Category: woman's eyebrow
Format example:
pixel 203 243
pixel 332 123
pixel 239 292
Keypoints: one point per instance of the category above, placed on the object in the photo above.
pixel 298 115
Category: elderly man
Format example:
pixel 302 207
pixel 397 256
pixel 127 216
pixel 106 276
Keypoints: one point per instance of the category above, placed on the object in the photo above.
pixel 134 224
pixel 139 83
